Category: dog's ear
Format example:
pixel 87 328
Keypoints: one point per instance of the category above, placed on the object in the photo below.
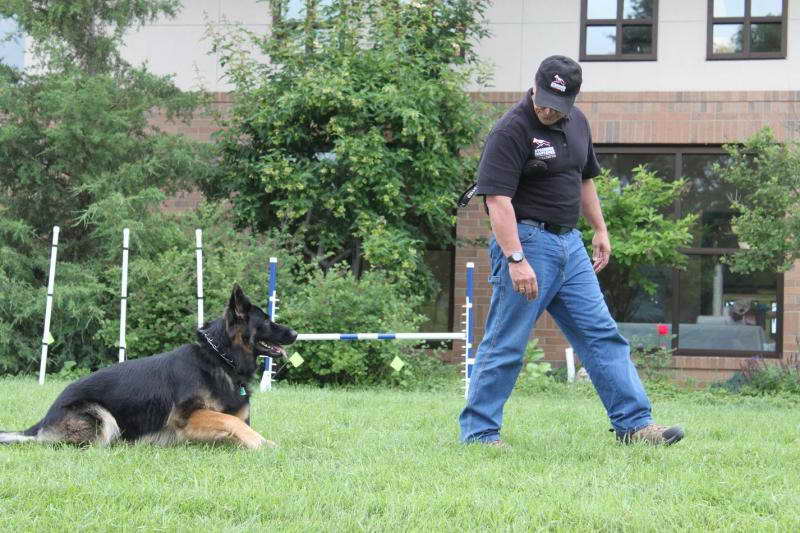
pixel 239 303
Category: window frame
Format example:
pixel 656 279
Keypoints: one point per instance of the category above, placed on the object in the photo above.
pixel 679 151
pixel 619 22
pixel 746 21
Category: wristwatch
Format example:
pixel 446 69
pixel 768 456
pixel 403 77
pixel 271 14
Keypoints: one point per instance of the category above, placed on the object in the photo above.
pixel 516 257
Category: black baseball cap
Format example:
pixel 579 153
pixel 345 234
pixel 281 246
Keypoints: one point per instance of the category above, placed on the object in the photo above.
pixel 558 82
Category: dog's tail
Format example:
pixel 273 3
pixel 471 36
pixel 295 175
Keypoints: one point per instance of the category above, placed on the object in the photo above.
pixel 12 437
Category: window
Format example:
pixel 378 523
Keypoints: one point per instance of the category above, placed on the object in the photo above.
pixel 438 310
pixel 618 30
pixel 297 10
pixel 710 310
pixel 12 47
pixel 746 29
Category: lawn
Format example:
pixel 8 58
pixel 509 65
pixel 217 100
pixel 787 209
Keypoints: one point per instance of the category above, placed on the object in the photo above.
pixel 389 460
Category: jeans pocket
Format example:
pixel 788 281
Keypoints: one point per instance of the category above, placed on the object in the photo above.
pixel 527 234
pixel 494 280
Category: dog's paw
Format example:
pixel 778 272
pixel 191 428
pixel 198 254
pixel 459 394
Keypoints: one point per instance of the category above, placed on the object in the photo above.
pixel 253 441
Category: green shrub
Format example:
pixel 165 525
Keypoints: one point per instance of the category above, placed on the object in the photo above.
pixel 337 302
pixel 653 361
pixel 536 375
pixel 758 377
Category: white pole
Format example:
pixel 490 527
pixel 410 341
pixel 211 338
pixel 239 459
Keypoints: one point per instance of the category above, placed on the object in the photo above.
pixel 198 234
pixel 272 310
pixel 123 299
pixel 46 337
pixel 469 320
pixel 266 377
pixel 570 357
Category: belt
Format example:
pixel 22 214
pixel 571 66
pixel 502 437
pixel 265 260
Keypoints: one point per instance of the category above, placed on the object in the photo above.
pixel 552 228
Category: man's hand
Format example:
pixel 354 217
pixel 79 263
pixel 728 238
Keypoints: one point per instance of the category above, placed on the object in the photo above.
pixel 601 250
pixel 524 279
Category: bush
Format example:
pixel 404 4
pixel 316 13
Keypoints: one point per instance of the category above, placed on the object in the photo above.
pixel 653 361
pixel 338 302
pixel 758 377
pixel 536 375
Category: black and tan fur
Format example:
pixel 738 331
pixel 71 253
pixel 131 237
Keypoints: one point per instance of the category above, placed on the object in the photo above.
pixel 193 393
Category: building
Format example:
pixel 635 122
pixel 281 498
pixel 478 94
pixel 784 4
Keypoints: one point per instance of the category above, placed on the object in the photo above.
pixel 666 84
pixel 684 77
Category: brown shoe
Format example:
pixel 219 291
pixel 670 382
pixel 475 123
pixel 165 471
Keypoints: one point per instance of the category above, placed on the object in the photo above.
pixel 653 434
pixel 497 444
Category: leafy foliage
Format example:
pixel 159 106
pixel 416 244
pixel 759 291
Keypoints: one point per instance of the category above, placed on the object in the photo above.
pixel 766 174
pixel 78 150
pixel 355 126
pixel 335 301
pixel 759 377
pixel 640 232
pixel 653 360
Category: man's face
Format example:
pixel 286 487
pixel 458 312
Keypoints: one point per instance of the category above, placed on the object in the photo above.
pixel 547 115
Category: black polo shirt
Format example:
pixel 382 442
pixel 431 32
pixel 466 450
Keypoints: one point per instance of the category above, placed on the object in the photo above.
pixel 554 195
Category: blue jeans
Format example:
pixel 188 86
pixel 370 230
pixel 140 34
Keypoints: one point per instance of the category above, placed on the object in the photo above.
pixel 569 290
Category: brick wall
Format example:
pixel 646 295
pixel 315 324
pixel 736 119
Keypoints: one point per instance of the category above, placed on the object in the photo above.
pixel 653 118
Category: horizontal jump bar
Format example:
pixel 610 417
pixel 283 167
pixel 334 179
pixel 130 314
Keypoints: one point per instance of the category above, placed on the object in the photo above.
pixel 380 336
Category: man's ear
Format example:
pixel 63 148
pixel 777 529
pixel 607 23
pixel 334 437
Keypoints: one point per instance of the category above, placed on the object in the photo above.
pixel 239 304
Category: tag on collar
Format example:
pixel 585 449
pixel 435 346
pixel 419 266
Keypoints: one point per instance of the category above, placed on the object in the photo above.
pixel 242 391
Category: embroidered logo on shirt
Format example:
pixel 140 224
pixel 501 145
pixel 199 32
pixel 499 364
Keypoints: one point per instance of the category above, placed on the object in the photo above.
pixel 558 83
pixel 543 150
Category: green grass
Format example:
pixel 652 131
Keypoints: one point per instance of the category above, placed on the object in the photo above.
pixel 389 460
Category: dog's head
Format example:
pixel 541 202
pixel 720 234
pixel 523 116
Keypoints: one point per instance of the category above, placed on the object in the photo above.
pixel 252 329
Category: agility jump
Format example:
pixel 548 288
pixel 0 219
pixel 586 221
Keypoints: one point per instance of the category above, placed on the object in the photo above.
pixel 465 335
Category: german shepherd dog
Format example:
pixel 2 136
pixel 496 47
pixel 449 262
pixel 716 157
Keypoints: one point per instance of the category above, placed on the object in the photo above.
pixel 198 392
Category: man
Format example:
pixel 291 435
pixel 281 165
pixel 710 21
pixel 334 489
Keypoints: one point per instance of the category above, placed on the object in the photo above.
pixel 536 175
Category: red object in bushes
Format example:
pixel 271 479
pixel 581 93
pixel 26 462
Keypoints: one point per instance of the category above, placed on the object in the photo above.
pixel 663 329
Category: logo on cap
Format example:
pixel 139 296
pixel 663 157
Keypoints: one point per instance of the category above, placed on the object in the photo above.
pixel 558 83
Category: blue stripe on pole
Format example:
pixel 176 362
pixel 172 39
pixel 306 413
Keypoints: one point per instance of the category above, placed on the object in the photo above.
pixel 273 280
pixel 348 337
pixel 387 336
pixel 469 370
pixel 471 311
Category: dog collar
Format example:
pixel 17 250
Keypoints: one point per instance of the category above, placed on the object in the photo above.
pixel 216 349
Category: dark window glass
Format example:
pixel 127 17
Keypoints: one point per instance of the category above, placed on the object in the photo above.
pixel 643 317
pixel 622 165
pixel 706 306
pixel 639 312
pixel 720 310
pixel 637 40
pixel 437 309
pixel 637 9
pixel 765 37
pixel 709 197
